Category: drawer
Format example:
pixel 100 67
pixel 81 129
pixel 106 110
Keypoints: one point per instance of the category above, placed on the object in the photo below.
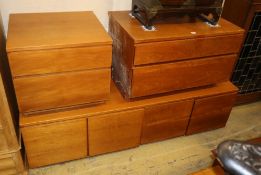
pixel 164 130
pixel 36 93
pixel 55 142
pixel 155 79
pixel 115 131
pixel 165 121
pixel 59 60
pixel 158 52
pixel 211 113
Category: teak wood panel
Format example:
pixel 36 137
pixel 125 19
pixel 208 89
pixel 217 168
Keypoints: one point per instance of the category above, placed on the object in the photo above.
pixel 55 142
pixel 115 131
pixel 164 130
pixel 117 124
pixel 210 113
pixel 156 52
pixel 59 60
pixel 36 93
pixel 165 121
pixel 148 80
pixel 35 31
pixel 172 31
pixel 118 103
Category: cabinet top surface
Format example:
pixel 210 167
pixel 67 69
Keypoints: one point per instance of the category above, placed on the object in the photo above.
pixel 33 31
pixel 172 31
pixel 116 103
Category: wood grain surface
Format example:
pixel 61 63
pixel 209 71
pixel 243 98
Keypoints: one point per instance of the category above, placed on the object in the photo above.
pixel 166 120
pixel 115 131
pixel 172 31
pixel 115 125
pixel 48 92
pixel 59 60
pixel 160 78
pixel 53 143
pixel 117 103
pixel 36 31
pixel 158 52
pixel 211 113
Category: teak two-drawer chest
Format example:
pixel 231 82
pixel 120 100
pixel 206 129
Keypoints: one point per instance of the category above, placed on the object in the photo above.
pixel 173 57
pixel 58 60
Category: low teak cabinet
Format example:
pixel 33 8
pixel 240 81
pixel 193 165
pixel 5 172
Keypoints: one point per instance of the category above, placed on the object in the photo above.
pixel 58 60
pixel 118 124
pixel 173 57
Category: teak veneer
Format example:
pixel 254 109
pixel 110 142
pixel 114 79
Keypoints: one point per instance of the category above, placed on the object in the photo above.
pixel 118 124
pixel 58 60
pixel 175 56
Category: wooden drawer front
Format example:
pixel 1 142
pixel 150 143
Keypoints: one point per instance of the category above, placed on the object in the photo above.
pixel 211 113
pixel 148 80
pixel 55 142
pixel 59 60
pixel 62 90
pixel 114 132
pixel 166 121
pixel 186 49
pixel 164 130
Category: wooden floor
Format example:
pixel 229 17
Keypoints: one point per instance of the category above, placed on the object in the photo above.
pixel 178 156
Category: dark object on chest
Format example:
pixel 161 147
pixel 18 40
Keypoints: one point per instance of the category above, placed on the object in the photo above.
pixel 147 11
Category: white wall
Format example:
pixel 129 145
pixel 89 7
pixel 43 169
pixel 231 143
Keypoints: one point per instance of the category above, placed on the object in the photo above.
pixel 100 7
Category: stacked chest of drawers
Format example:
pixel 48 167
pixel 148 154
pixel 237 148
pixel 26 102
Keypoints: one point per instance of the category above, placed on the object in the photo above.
pixel 172 83
pixel 58 61
pixel 174 57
